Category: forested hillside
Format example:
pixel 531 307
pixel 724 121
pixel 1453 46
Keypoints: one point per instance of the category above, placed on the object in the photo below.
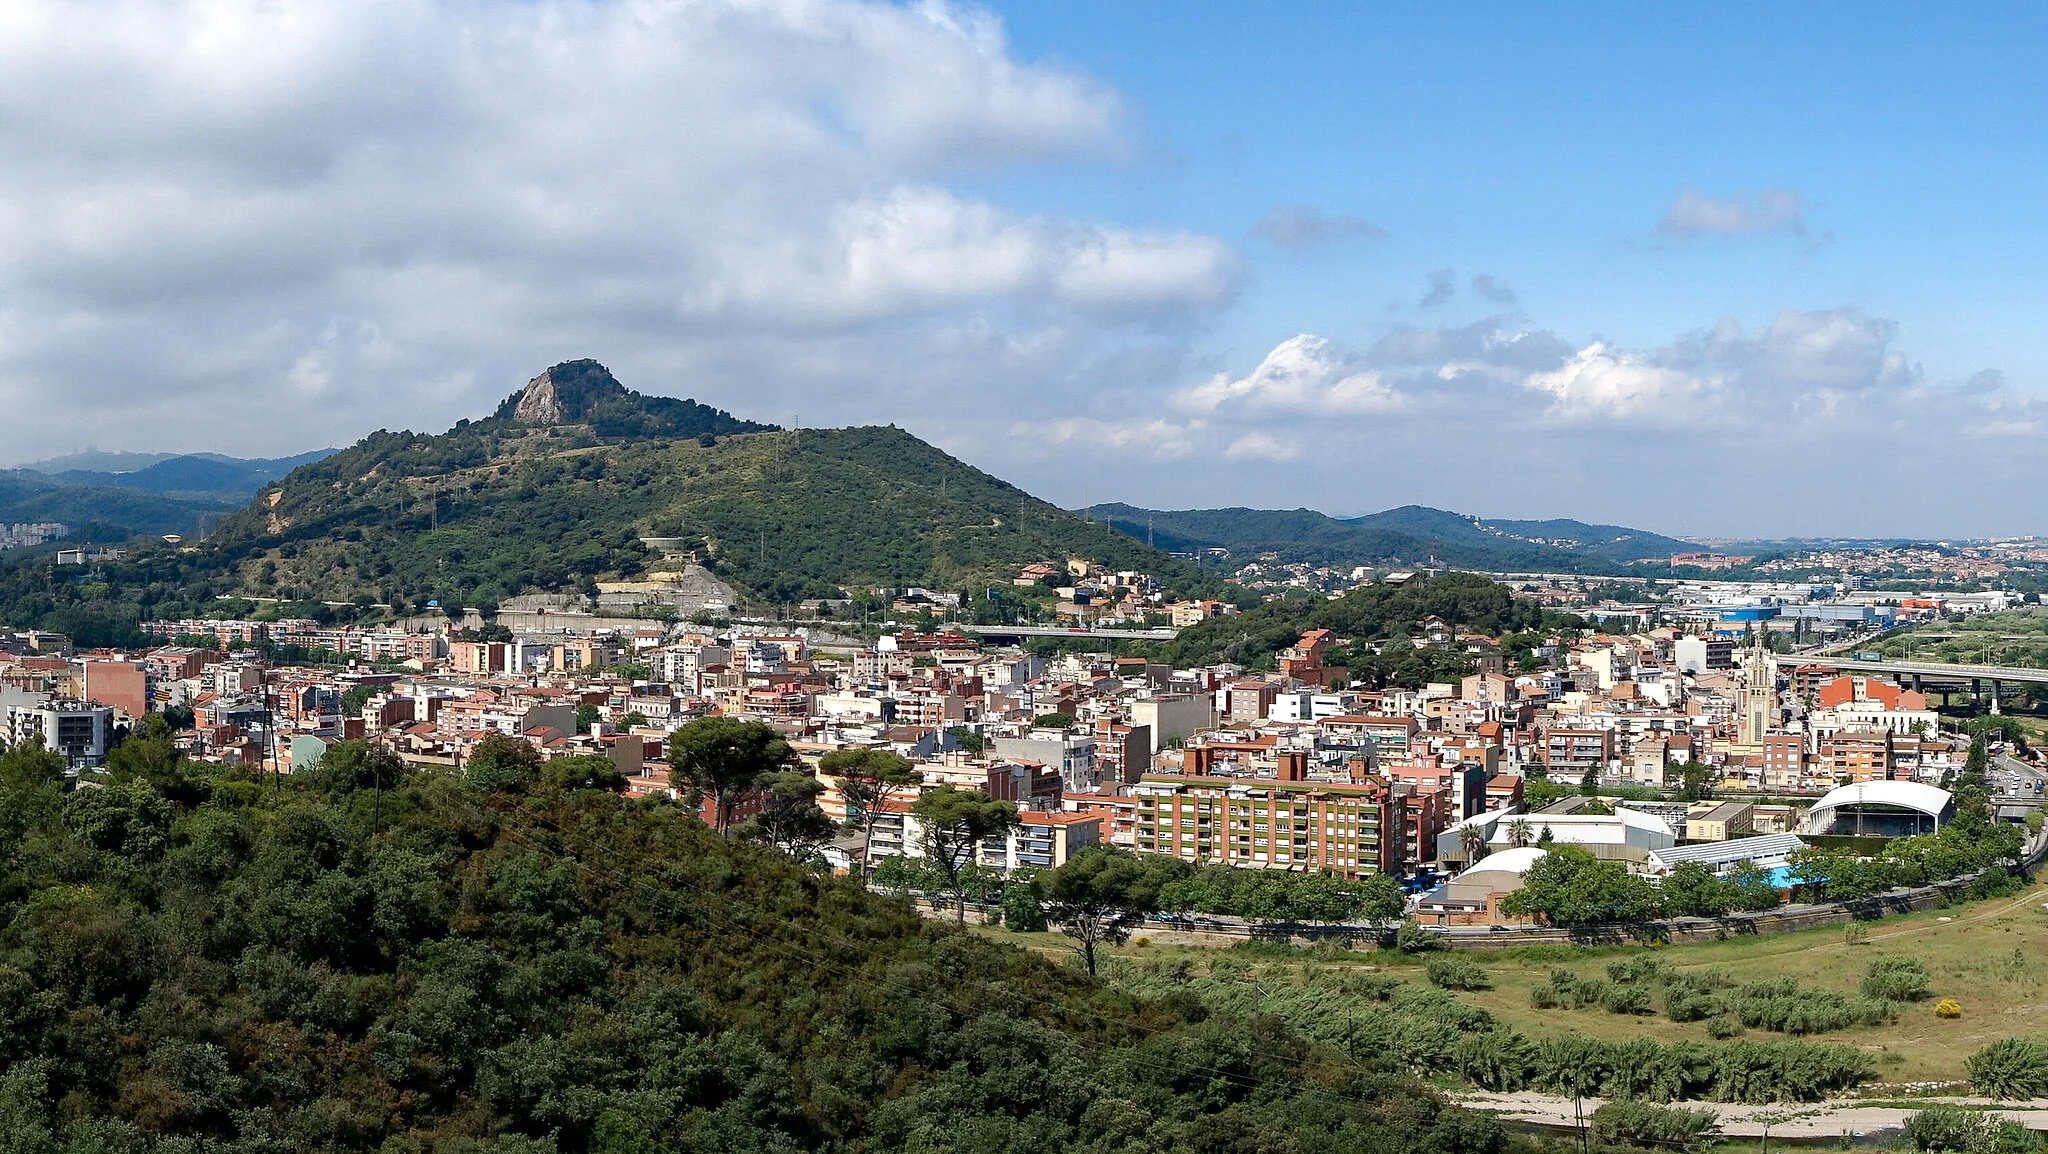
pixel 510 505
pixel 1386 614
pixel 367 957
pixel 26 495
pixel 1408 535
pixel 784 515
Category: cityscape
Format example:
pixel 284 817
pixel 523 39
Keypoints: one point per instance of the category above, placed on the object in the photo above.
pixel 976 593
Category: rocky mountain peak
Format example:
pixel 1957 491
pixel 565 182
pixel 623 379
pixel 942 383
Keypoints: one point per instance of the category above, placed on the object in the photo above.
pixel 566 393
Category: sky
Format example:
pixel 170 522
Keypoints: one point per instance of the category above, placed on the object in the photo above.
pixel 1739 270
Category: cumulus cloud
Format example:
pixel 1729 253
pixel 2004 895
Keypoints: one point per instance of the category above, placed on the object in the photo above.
pixel 238 225
pixel 1766 212
pixel 1299 226
pixel 1303 374
pixel 1603 384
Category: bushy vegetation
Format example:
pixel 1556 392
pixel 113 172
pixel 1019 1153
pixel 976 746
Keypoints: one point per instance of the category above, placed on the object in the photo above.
pixel 2011 1068
pixel 1458 972
pixel 366 956
pixel 1896 980
pixel 1781 1005
pixel 1953 1128
pixel 1276 896
pixel 1654 1127
pixel 1385 614
pixel 1427 1030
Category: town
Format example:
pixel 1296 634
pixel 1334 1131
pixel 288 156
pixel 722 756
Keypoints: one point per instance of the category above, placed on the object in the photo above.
pixel 1645 744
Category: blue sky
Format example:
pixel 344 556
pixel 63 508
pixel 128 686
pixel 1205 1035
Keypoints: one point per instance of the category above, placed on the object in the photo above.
pixel 1729 270
pixel 1544 143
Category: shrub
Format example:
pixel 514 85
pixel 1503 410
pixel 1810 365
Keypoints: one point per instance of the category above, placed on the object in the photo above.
pixel 1995 882
pixel 1411 938
pixel 1783 1006
pixel 1643 969
pixel 1968 1132
pixel 1373 987
pixel 1587 992
pixel 2011 1068
pixel 1948 1008
pixel 1688 1006
pixel 1456 972
pixel 1543 996
pixel 1897 980
pixel 1499 1060
pixel 1642 1124
pixel 1626 999
pixel 1723 1027
pixel 1437 1006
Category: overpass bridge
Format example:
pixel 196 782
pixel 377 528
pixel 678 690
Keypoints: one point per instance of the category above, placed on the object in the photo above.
pixel 991 632
pixel 1920 674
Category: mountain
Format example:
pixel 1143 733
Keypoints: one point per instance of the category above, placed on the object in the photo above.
pixel 99 461
pixel 1409 535
pixel 26 495
pixel 202 476
pixel 585 393
pixel 555 490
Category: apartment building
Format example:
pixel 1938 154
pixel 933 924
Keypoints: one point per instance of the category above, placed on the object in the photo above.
pixel 1345 828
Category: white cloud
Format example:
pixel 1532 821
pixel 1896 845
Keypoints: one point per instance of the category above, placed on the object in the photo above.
pixel 315 220
pixel 1303 374
pixel 1769 211
pixel 1603 384
pixel 1257 446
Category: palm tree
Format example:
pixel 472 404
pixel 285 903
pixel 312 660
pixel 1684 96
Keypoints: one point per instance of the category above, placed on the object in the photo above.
pixel 1519 834
pixel 1473 839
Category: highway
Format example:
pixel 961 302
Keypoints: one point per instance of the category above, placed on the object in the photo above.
pixel 1931 669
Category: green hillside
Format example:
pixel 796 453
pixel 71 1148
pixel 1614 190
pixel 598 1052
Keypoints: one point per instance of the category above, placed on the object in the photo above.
pixel 196 959
pixel 1408 535
pixel 783 515
pixel 510 505
pixel 26 495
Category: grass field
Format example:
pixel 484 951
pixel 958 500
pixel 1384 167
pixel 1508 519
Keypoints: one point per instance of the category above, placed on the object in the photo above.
pixel 1990 956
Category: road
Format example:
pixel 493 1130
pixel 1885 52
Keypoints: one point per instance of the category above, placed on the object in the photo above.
pixel 1829 1119
pixel 2015 780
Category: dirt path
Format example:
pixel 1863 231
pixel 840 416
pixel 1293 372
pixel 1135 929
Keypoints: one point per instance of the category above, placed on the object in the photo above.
pixel 1796 1120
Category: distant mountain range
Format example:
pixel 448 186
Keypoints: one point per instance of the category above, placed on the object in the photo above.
pixel 192 476
pixel 1409 535
pixel 107 493
pixel 103 512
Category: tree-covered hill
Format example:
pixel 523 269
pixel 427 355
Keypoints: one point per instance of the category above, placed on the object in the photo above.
pixel 510 505
pixel 1409 535
pixel 366 957
pixel 783 515
pixel 26 495
pixel 1375 614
